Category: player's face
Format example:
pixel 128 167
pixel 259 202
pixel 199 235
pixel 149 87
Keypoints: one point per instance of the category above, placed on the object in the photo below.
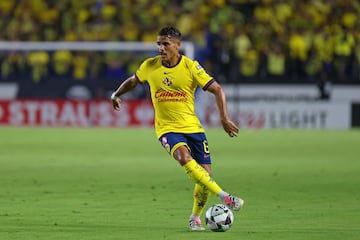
pixel 168 49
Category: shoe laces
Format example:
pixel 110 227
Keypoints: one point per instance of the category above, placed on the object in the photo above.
pixel 195 223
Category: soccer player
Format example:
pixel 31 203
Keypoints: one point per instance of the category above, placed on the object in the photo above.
pixel 173 79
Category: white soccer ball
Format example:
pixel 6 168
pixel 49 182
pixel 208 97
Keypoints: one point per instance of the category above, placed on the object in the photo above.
pixel 219 218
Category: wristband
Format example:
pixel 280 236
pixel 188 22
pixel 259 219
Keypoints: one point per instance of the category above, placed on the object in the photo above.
pixel 114 97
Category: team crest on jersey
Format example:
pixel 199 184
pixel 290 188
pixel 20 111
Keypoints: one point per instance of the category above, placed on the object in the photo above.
pixel 167 81
pixel 198 67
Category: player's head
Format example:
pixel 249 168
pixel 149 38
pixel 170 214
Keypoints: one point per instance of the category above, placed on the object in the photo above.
pixel 170 32
pixel 168 41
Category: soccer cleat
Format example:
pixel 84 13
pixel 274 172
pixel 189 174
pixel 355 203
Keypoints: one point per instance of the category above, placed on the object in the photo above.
pixel 195 224
pixel 233 202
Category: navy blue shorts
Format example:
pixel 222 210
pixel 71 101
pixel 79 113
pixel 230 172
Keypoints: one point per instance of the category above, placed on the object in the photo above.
pixel 195 142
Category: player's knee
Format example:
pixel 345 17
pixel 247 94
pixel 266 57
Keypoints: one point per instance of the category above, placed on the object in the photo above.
pixel 182 155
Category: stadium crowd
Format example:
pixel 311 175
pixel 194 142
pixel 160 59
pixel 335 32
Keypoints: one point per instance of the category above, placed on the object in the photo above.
pixel 236 40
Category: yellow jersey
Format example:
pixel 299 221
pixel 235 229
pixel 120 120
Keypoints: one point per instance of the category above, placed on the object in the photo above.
pixel 173 93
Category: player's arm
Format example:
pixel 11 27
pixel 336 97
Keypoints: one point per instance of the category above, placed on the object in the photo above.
pixel 126 86
pixel 227 124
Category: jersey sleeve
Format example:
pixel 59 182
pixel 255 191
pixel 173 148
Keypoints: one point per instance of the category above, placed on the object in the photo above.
pixel 203 79
pixel 140 73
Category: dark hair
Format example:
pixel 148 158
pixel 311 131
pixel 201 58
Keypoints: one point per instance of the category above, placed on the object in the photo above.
pixel 170 32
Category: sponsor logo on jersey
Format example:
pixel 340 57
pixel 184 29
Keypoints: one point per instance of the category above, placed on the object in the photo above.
pixel 163 95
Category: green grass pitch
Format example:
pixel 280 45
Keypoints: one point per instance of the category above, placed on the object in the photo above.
pixel 103 184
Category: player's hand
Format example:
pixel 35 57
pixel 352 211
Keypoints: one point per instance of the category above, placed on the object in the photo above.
pixel 230 127
pixel 116 102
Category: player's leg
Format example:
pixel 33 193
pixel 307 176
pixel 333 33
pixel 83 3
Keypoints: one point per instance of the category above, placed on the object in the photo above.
pixel 198 174
pixel 176 145
pixel 179 146
pixel 199 151
pixel 194 170
pixel 201 195
pixel 173 141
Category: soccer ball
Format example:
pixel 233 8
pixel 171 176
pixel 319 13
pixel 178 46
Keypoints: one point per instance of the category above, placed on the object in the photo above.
pixel 219 218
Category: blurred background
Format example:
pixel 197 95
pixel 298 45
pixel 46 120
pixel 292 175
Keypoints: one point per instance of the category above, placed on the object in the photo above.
pixel 291 64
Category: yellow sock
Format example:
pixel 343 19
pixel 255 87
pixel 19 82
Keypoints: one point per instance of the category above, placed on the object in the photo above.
pixel 201 195
pixel 201 176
